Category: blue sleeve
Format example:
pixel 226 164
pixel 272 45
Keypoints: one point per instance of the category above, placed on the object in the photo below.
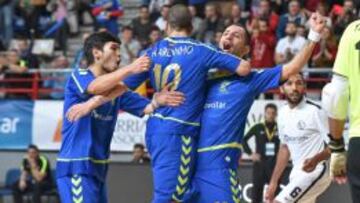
pixel 135 81
pixel 266 79
pixel 82 79
pixel 215 58
pixel 133 103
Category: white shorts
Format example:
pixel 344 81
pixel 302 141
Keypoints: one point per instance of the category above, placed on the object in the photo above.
pixel 305 187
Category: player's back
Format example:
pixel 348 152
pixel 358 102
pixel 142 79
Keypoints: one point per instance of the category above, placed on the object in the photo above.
pixel 183 64
pixel 348 64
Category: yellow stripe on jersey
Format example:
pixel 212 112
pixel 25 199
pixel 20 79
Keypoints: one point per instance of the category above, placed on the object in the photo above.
pixel 96 161
pixel 347 64
pixel 157 115
pixel 221 146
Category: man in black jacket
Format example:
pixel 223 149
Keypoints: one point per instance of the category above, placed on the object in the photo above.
pixel 266 148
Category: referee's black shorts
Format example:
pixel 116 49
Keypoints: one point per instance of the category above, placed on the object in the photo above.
pixel 353 167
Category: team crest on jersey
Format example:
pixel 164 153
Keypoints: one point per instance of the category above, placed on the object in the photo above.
pixel 301 125
pixel 223 87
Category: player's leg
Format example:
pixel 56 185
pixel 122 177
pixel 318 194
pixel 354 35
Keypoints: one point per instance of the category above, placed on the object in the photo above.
pixel 304 187
pixel 217 185
pixel 353 166
pixel 173 158
pixel 258 182
pixel 80 189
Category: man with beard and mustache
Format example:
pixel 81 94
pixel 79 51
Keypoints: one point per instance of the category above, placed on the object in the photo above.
pixel 303 131
pixel 83 158
pixel 229 99
pixel 289 45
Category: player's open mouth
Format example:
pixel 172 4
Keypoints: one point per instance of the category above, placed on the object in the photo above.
pixel 226 46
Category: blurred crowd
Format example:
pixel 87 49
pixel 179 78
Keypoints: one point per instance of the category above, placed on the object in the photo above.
pixel 277 30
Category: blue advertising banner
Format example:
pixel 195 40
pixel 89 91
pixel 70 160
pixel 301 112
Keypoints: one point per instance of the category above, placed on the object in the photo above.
pixel 15 124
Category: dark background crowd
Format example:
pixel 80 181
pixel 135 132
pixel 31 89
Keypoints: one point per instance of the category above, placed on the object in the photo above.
pixel 42 34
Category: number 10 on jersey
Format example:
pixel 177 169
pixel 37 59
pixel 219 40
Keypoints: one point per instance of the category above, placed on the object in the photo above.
pixel 162 77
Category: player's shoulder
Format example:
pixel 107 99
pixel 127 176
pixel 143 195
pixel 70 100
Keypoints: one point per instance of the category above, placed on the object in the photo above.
pixel 353 27
pixel 313 105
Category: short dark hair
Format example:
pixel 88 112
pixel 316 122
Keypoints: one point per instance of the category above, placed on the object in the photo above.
pixel 155 28
pixel 143 6
pixel 180 18
pixel 97 41
pixel 139 145
pixel 127 27
pixel 246 33
pixel 32 146
pixel 271 106
pixel 292 22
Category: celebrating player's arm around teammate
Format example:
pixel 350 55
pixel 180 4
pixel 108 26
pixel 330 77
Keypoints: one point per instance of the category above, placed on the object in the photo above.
pixel 83 158
pixel 341 94
pixel 229 99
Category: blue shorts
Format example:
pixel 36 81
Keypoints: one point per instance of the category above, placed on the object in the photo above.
pixel 81 189
pixel 216 185
pixel 216 178
pixel 173 160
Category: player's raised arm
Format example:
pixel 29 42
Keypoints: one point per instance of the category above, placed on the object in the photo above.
pixel 107 82
pixel 317 24
pixel 132 102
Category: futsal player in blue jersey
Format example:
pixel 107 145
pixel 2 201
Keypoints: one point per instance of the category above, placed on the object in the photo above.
pixel 83 157
pixel 229 99
pixel 182 63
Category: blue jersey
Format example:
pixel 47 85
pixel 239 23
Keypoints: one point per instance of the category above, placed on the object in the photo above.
pixel 86 143
pixel 227 105
pixel 183 64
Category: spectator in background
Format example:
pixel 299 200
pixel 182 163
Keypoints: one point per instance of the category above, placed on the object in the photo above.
pixel 58 79
pixel 155 35
pixel 155 7
pixel 265 12
pixel 199 5
pixel 294 15
pixel 35 176
pixel 107 13
pixel 346 16
pixel 21 21
pixel 130 47
pixel 24 49
pixel 37 8
pixel 197 22
pixel 235 17
pixel 212 23
pixel 289 45
pixel 162 20
pixel 142 25
pixel 263 43
pixel 139 155
pixel 6 13
pixel 325 52
pixel 266 148
pixel 301 31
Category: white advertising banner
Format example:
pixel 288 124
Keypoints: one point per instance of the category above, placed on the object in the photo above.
pixel 47 122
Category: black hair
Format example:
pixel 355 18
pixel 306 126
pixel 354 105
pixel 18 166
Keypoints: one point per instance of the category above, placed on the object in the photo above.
pixel 180 18
pixel 143 6
pixel 97 41
pixel 271 106
pixel 127 27
pixel 154 28
pixel 246 33
pixel 139 145
pixel 32 146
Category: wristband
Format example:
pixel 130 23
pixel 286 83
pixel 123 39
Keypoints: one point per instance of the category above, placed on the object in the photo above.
pixel 154 103
pixel 314 36
pixel 336 145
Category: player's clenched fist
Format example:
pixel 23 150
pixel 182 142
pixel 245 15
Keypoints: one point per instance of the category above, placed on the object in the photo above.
pixel 317 22
pixel 338 167
pixel 140 65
